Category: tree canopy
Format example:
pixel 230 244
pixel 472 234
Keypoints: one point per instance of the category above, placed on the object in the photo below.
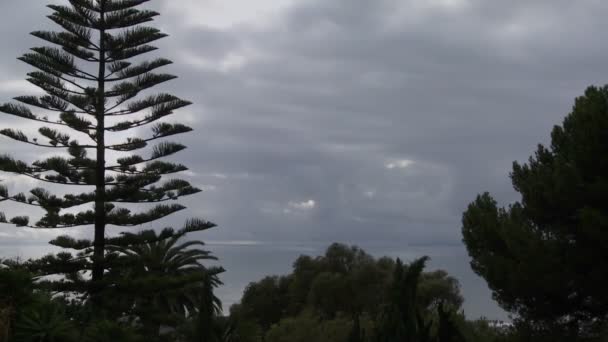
pixel 109 135
pixel 349 295
pixel 545 256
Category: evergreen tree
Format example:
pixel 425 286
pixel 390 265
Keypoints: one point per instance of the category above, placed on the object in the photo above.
pixel 545 257
pixel 92 76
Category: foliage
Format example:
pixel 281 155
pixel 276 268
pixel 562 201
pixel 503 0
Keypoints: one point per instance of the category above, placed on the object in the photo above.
pixel 44 321
pixel 448 329
pixel 109 37
pixel 308 327
pixel 16 292
pixel 159 264
pixel 104 331
pixel 544 257
pixel 170 288
pixel 402 318
pixel 92 78
pixel 347 292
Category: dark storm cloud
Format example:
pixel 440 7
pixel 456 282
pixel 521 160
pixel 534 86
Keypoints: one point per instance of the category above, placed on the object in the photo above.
pixel 323 100
pixel 372 122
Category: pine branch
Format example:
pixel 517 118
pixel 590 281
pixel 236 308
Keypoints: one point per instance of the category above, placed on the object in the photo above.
pixel 149 102
pixel 83 103
pixel 55 137
pixel 126 164
pixel 132 39
pixel 166 149
pixel 169 191
pixel 68 41
pixel 48 102
pixel 121 55
pixel 156 167
pixel 50 60
pixel 127 90
pixel 127 239
pixel 127 18
pixel 80 18
pixel 14 134
pixel 119 5
pixel 158 112
pixel 34 142
pixel 138 70
pixel 122 217
pixel 8 164
pixel 24 112
pixel 45 80
pixel 160 131
pixel 18 110
pixel 82 32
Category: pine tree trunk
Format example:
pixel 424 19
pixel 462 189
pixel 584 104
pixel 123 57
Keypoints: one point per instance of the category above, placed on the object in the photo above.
pixel 100 214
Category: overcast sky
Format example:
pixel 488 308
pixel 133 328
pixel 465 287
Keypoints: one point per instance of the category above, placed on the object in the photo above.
pixel 373 122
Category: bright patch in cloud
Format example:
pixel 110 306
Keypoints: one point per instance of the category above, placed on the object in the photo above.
pixel 370 194
pixel 230 62
pixel 399 164
pixel 306 205
pixel 449 4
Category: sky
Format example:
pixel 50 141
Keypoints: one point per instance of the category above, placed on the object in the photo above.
pixel 365 122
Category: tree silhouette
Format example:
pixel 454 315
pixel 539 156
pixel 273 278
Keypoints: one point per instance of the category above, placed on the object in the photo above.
pixel 402 319
pixel 545 257
pixel 91 78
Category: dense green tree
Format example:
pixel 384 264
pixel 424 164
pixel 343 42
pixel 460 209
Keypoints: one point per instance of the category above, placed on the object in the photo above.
pixel 403 318
pixel 545 256
pixel 266 301
pixel 343 285
pixel 308 327
pixel 104 331
pixel 438 287
pixel 92 76
pixel 481 330
pixel 448 329
pixel 242 327
pixel 345 279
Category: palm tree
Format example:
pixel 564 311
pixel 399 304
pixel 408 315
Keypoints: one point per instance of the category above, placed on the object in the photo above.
pixel 403 319
pixel 177 284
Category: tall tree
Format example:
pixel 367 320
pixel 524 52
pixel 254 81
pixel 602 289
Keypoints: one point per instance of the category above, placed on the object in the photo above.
pixel 545 256
pixel 403 318
pixel 92 76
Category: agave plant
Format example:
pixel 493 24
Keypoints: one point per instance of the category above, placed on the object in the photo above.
pixel 16 291
pixel 44 323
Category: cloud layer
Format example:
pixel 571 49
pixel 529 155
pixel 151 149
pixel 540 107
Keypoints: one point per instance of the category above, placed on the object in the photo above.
pixel 371 122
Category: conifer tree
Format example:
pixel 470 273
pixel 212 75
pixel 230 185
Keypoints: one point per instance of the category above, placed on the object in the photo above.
pixel 544 257
pixel 91 74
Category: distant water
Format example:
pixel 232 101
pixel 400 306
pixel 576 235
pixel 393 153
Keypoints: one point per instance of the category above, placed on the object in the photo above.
pixel 247 261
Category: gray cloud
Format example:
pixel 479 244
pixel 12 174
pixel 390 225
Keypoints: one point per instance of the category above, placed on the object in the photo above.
pixel 314 101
